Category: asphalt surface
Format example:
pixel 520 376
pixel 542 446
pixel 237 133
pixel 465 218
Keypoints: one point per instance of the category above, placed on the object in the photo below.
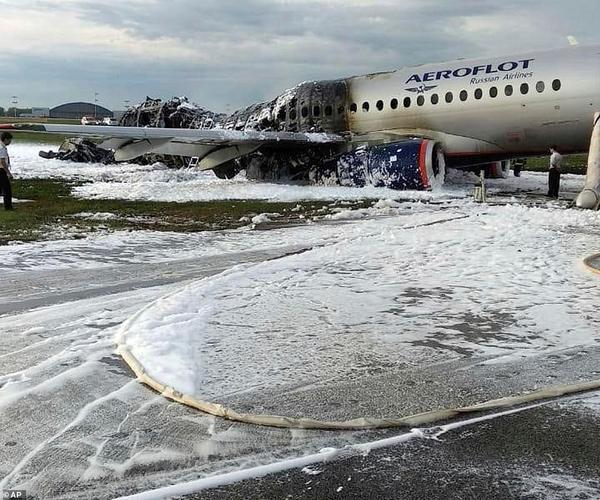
pixel 74 423
pixel 549 452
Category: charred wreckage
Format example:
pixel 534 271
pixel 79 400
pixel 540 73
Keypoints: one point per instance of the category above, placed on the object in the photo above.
pixel 311 107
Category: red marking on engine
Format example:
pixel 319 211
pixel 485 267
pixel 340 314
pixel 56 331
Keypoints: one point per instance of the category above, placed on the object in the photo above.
pixel 423 164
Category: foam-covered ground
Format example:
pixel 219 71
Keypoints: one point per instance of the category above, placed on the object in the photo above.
pixel 159 183
pixel 418 288
pixel 406 305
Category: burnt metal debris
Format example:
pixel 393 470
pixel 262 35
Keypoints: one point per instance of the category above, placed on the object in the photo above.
pixel 319 106
pixel 177 112
pixel 309 107
pixel 80 150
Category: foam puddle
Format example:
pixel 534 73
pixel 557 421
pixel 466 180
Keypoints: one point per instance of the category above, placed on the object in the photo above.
pixel 387 292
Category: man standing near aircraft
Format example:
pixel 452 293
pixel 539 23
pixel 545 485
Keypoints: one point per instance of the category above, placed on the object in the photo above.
pixel 554 173
pixel 5 175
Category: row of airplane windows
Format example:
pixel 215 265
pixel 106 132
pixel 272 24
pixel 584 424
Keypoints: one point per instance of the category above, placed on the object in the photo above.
pixel 420 100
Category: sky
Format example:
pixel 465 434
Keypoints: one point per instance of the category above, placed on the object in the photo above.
pixel 226 54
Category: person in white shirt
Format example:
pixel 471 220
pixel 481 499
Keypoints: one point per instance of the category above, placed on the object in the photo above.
pixel 554 173
pixel 5 174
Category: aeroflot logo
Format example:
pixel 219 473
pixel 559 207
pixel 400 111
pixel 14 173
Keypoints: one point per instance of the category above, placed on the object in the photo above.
pixel 488 69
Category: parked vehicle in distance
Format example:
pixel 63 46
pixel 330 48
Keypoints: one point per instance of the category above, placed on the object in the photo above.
pixel 91 120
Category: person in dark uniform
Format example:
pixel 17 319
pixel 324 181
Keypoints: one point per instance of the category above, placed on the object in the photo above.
pixel 554 173
pixel 5 175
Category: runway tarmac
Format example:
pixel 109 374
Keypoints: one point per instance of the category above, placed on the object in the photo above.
pixel 75 424
pixel 548 452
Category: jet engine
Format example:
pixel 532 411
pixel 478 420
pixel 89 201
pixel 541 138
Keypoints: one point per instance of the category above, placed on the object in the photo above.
pixel 411 164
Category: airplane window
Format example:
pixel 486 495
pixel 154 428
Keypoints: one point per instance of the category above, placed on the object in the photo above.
pixel 449 97
pixel 478 93
pixel 524 88
pixel 353 107
pixel 540 87
pixel 379 105
pixel 435 98
pixel 407 102
pixel 420 100
pixel 365 106
pixel 316 110
pixel 556 85
pixel 463 95
pixel 304 111
pixel 293 114
pixel 328 110
pixel 508 90
pixel 394 103
pixel 493 91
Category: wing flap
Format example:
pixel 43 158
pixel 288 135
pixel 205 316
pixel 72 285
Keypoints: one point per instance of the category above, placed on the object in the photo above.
pixel 223 155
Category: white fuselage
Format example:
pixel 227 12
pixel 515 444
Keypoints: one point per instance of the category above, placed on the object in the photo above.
pixel 526 122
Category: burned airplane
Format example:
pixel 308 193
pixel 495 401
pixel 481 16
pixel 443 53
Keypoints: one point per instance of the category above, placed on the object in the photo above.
pixel 397 129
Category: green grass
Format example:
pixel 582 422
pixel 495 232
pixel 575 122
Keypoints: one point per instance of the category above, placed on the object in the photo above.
pixel 18 119
pixel 571 164
pixel 50 214
pixel 38 138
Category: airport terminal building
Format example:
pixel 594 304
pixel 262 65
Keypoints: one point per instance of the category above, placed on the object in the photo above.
pixel 77 110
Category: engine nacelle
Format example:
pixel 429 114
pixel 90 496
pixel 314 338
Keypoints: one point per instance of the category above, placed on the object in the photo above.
pixel 411 164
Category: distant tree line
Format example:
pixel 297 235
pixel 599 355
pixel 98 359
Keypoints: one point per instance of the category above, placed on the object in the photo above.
pixel 11 111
